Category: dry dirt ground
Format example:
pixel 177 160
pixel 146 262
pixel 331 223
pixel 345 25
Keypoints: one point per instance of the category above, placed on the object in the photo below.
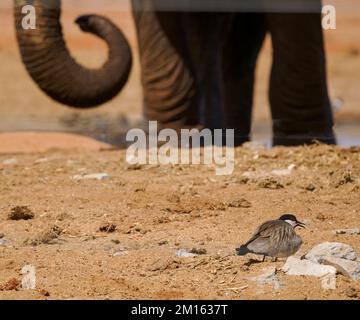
pixel 158 210
pixel 117 238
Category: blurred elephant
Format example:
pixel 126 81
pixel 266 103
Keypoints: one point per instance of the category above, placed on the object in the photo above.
pixel 197 67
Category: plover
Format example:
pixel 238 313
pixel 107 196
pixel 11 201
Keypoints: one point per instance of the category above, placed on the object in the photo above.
pixel 275 238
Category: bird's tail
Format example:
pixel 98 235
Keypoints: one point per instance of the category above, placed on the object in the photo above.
pixel 243 250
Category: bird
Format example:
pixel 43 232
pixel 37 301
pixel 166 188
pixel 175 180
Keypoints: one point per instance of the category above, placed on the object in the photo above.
pixel 274 238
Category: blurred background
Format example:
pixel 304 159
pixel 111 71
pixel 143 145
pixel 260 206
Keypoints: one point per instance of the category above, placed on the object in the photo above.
pixel 23 107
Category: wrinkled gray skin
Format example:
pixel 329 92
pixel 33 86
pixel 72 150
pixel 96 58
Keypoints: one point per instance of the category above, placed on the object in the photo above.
pixel 197 68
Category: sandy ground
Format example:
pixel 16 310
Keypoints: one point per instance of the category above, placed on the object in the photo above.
pixel 159 210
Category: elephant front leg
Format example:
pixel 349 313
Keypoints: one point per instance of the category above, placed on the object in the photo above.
pixel 244 34
pixel 299 98
pixel 168 83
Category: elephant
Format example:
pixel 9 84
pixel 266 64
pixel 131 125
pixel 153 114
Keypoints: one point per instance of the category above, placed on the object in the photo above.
pixel 198 68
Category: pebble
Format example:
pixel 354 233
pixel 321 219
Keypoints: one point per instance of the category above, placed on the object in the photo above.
pixel 93 176
pixel 184 254
pixel 120 253
pixel 283 172
pixel 334 249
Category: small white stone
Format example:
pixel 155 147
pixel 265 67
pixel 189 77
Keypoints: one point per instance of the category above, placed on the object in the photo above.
pixel 120 253
pixel 283 172
pixel 301 267
pixel 335 249
pixel 184 254
pixel 94 176
pixel 337 104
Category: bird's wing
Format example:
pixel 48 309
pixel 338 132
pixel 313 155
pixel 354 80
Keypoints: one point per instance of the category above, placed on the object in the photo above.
pixel 281 232
pixel 269 230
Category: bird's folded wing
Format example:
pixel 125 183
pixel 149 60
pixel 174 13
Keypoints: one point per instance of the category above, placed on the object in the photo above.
pixel 264 231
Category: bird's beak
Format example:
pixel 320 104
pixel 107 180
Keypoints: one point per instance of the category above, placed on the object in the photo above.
pixel 300 224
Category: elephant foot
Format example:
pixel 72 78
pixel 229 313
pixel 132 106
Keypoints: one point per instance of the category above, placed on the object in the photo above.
pixel 303 139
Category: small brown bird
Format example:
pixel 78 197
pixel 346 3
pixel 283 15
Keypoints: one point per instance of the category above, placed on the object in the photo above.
pixel 275 238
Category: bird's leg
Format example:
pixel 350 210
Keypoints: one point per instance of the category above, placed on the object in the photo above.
pixel 263 260
pixel 274 259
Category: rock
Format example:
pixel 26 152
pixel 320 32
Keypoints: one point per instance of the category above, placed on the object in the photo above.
pixel 351 232
pixel 184 254
pixel 328 282
pixel 93 176
pixel 2 235
pixel 9 161
pixel 3 242
pixel 283 172
pixel 301 267
pixel 21 213
pixel 350 269
pixel 335 249
pixel 120 253
pixel 268 277
pixel 337 104
pixel 198 251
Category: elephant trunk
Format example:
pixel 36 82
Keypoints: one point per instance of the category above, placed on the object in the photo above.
pixel 56 72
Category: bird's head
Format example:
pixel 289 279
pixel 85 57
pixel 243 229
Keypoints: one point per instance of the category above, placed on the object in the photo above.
pixel 292 220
